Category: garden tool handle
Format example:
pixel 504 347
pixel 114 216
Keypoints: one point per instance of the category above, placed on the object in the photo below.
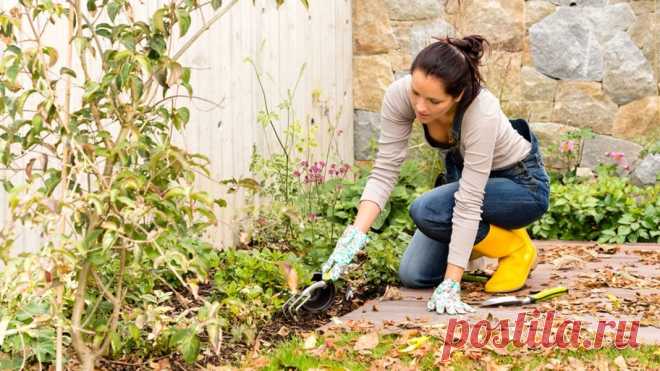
pixel 548 293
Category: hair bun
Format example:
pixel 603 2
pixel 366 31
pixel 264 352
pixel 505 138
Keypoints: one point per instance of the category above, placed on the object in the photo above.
pixel 472 46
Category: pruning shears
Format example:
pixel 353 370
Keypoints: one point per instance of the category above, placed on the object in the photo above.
pixel 522 300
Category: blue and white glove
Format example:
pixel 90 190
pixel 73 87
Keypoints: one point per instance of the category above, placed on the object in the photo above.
pixel 447 297
pixel 350 242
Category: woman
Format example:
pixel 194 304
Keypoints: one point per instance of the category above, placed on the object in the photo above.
pixel 495 182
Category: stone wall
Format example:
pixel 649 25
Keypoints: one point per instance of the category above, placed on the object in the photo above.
pixel 560 64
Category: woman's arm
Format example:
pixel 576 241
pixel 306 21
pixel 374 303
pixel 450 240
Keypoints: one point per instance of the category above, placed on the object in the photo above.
pixel 479 133
pixel 455 272
pixel 367 213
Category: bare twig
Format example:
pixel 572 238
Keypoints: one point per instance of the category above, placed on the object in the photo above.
pixel 214 104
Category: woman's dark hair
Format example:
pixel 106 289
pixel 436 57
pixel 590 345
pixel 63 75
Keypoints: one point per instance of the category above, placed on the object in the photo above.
pixel 456 63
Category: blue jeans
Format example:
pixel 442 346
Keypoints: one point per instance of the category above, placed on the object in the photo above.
pixel 514 198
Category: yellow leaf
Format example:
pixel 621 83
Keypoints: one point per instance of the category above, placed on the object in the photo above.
pixel 616 303
pixel 415 343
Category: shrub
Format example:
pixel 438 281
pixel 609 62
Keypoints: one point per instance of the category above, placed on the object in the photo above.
pixel 608 209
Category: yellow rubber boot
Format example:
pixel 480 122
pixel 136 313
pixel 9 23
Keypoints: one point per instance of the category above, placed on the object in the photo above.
pixel 517 256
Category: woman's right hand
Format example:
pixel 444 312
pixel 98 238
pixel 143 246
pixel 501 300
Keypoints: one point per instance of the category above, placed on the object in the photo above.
pixel 348 245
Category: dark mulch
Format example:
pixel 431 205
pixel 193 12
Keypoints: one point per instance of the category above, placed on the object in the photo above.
pixel 279 329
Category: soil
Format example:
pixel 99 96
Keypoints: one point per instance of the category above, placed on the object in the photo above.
pixel 279 329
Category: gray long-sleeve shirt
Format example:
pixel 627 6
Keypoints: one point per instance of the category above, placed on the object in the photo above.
pixel 488 142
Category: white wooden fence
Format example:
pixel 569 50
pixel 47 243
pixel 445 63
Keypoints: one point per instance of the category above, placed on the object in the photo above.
pixel 280 41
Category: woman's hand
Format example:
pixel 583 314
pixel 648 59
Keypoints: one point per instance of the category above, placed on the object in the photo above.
pixel 447 297
pixel 350 242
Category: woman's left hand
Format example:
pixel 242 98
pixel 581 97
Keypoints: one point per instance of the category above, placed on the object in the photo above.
pixel 447 297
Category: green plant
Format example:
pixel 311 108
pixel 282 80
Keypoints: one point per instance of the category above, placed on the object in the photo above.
pixel 109 192
pixel 569 151
pixel 608 209
pixel 650 147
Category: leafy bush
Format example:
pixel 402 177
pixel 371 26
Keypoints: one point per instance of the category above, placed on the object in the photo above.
pixel 608 209
pixel 111 195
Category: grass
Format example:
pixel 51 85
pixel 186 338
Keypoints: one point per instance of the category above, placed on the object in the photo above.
pixel 340 355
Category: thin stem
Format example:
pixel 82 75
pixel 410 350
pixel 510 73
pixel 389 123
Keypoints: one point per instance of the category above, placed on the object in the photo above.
pixel 270 122
pixel 78 342
pixel 119 298
pixel 172 97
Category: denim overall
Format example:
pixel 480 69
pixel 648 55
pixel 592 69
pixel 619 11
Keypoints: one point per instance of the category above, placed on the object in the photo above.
pixel 514 198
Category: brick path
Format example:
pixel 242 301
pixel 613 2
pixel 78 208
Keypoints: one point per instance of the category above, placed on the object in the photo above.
pixel 629 273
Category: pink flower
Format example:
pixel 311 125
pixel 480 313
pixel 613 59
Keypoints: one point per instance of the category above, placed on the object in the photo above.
pixel 311 216
pixel 339 132
pixel 567 146
pixel 304 163
pixel 616 156
pixel 296 173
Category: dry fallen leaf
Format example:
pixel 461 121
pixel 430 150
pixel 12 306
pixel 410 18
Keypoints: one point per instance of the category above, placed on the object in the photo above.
pixel 392 293
pixel 310 342
pixel 284 331
pixel 291 276
pixel 566 262
pixel 620 362
pixel 367 342
pixel 608 249
pixel 260 362
pixel 576 364
pixel 161 365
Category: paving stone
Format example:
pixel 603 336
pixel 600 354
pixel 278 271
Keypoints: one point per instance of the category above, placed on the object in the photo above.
pixel 412 306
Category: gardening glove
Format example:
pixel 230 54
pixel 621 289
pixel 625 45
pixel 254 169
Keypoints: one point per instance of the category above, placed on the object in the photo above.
pixel 350 242
pixel 447 297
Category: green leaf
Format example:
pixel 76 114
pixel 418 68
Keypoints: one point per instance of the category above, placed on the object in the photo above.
pixel 126 69
pixel 623 230
pixel 52 55
pixel 67 71
pixel 184 114
pixel 113 10
pixel 159 23
pixel 53 181
pixel 382 217
pixel 187 343
pixel 7 185
pixel 20 102
pixel 183 17
pixel 91 5
pixel 220 202
pixel 216 4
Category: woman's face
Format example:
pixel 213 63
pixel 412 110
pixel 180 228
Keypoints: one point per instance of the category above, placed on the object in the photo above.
pixel 429 99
